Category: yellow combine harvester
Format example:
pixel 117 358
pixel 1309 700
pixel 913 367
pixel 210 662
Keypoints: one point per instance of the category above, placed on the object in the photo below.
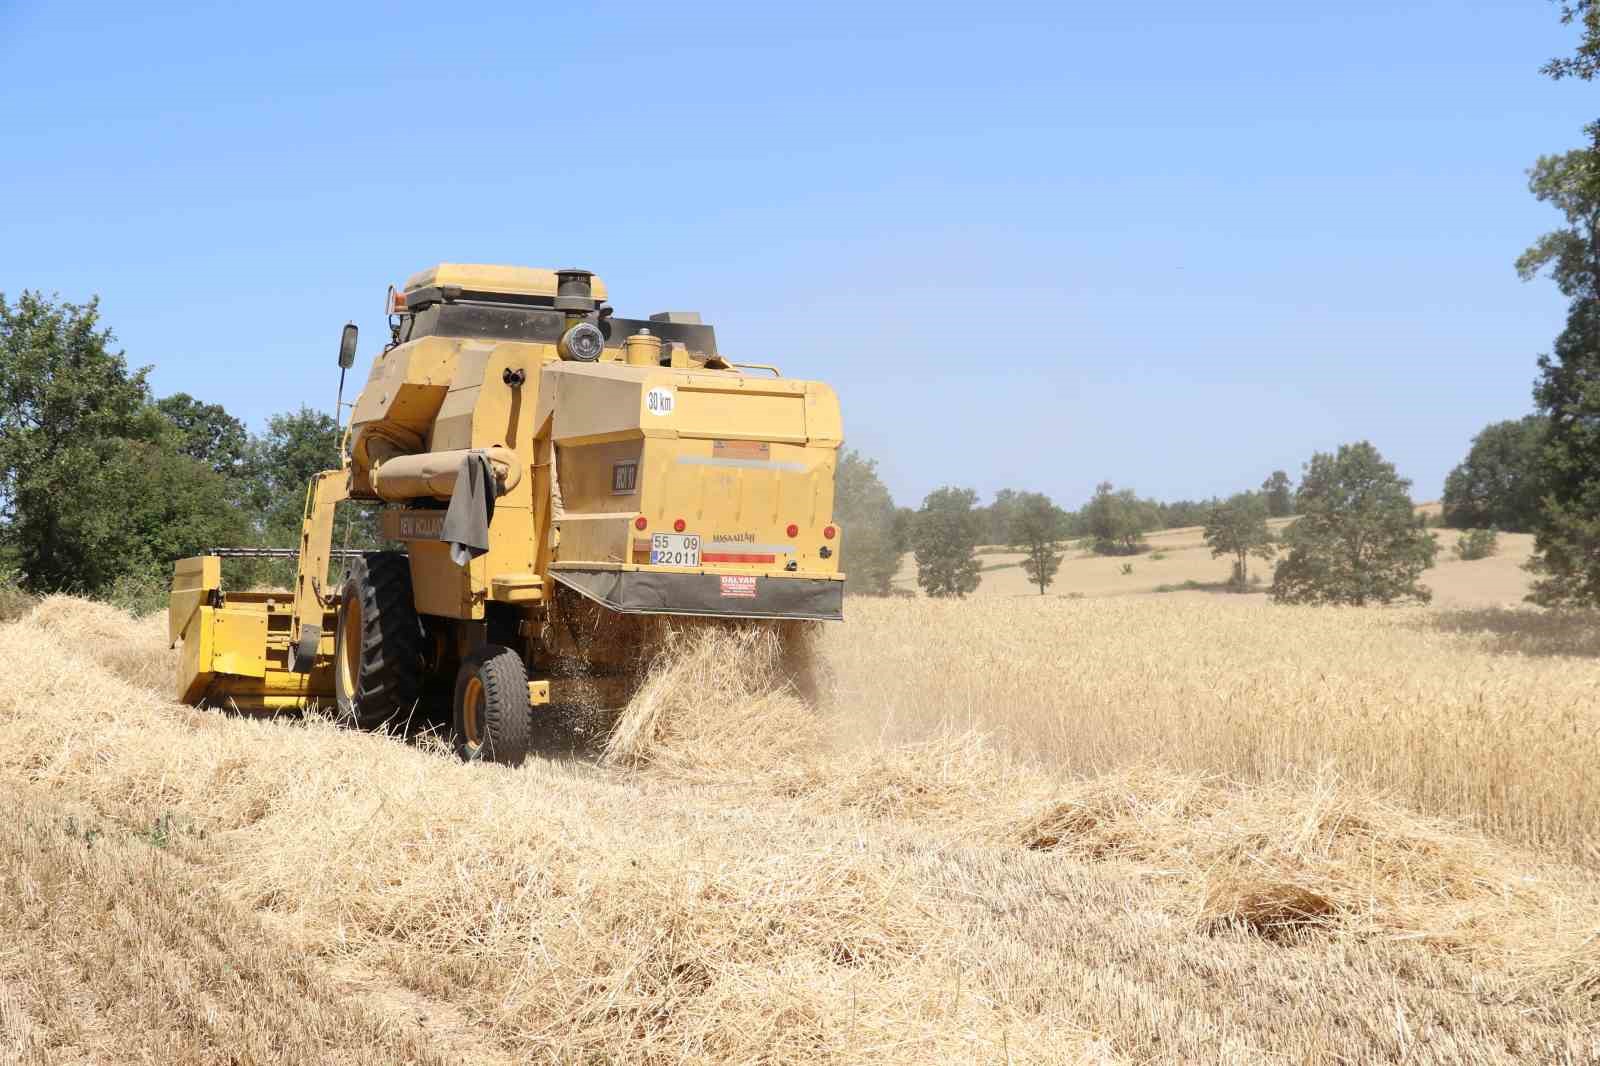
pixel 553 472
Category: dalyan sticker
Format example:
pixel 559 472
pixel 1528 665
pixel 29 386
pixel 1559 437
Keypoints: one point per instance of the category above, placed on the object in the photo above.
pixel 738 586
pixel 658 401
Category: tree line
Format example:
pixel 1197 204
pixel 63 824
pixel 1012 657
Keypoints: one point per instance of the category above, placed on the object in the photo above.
pixel 103 484
pixel 1355 537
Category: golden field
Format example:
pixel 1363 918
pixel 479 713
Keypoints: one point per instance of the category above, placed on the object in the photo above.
pixel 1180 555
pixel 1127 829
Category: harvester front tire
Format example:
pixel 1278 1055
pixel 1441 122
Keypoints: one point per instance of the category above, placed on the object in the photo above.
pixel 377 647
pixel 493 718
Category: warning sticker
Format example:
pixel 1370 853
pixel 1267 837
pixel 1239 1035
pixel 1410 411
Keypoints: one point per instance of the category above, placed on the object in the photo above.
pixel 739 586
pixel 658 401
pixel 741 449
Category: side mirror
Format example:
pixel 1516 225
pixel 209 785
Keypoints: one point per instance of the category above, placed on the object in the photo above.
pixel 347 345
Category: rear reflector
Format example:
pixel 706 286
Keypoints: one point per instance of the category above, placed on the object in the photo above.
pixel 641 522
pixel 737 557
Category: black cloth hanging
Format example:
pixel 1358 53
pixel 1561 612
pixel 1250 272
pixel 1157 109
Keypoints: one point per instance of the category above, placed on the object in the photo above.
pixel 466 520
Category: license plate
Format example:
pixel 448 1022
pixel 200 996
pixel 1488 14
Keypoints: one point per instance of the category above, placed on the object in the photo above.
pixel 675 549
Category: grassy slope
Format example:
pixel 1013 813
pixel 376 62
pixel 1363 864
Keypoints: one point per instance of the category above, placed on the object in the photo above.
pixel 1498 581
pixel 787 889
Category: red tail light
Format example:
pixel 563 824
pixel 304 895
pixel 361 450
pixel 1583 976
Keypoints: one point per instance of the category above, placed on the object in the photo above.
pixel 679 526
pixel 641 522
pixel 829 532
pixel 793 530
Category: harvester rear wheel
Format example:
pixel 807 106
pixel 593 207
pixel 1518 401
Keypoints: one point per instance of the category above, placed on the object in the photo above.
pixel 377 668
pixel 493 717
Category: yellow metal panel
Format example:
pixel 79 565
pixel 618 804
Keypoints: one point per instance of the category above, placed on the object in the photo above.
pixel 456 417
pixel 278 690
pixel 438 585
pixel 239 642
pixel 415 406
pixel 600 537
pixel 327 490
pixel 516 588
pixel 194 662
pixel 425 363
pixel 719 412
pixel 487 277
pixel 596 401
pixel 193 581
pixel 589 476
pixel 823 424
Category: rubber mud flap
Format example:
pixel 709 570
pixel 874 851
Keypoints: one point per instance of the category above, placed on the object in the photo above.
pixel 710 595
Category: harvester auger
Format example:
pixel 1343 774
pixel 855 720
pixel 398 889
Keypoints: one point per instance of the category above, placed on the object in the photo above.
pixel 554 473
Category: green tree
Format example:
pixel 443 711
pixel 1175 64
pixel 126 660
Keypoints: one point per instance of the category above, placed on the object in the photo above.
pixel 1037 526
pixel 946 539
pixel 1181 513
pixel 1239 528
pixel 1585 61
pixel 206 432
pixel 864 508
pixel 94 484
pixel 142 508
pixel 997 517
pixel 1477 544
pixel 1357 540
pixel 1498 483
pixel 1566 558
pixel 68 406
pixel 296 445
pixel 905 520
pixel 1279 494
pixel 1117 520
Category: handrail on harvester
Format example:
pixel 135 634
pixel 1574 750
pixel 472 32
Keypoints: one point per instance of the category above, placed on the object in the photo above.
pixel 275 553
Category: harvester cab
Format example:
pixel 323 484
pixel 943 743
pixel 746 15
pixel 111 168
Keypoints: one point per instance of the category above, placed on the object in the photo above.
pixel 556 478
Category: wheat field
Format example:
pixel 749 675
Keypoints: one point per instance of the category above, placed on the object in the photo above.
pixel 1181 555
pixel 1123 830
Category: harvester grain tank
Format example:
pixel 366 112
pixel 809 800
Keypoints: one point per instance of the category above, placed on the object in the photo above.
pixel 555 474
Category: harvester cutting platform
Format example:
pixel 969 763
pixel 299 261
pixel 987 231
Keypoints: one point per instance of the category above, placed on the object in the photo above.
pixel 554 473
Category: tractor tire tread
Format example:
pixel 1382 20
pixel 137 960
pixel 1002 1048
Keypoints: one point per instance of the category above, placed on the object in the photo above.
pixel 391 640
pixel 507 714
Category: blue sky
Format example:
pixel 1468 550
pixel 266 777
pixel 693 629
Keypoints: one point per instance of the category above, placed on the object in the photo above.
pixel 1172 245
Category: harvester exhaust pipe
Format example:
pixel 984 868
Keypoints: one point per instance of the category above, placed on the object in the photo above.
pixel 574 290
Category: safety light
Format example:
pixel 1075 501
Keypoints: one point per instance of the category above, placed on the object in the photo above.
pixel 793 530
pixel 829 532
pixel 679 526
pixel 641 522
